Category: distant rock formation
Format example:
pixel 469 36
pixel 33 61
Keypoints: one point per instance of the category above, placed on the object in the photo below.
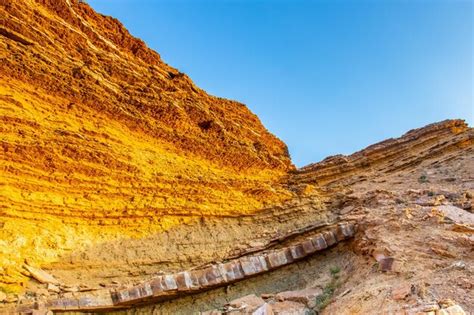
pixel 122 184
pixel 101 139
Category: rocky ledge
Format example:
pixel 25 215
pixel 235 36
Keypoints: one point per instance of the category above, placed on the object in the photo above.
pixel 174 285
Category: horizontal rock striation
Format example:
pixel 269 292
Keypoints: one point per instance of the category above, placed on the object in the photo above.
pixel 193 281
pixel 390 156
pixel 114 166
pixel 101 140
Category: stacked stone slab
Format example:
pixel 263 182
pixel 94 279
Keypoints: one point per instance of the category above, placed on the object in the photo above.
pixel 191 281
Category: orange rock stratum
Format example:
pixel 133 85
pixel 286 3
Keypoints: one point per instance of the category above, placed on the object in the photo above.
pixel 101 139
pixel 125 186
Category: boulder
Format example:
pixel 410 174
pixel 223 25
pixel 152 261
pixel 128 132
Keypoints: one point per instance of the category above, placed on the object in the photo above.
pixel 265 309
pixel 306 296
pixel 401 292
pixel 452 310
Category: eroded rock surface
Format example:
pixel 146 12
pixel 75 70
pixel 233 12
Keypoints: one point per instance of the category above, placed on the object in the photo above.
pixel 125 187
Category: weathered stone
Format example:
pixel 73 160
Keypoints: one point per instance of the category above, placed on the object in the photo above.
pixel 41 275
pixel 308 247
pixel 248 266
pixel 169 283
pixel 265 309
pixel 42 293
pixel 253 265
pixel 423 309
pixel 457 215
pixel 55 304
pixel 210 276
pixel 70 288
pixel 186 281
pixel 385 262
pixel 401 292
pixel 297 251
pixel 249 303
pixel 344 231
pixel 53 288
pixel 145 290
pixel 86 302
pixel 134 293
pixel 70 303
pixel 289 308
pixel 201 276
pixel 306 296
pixel 3 296
pixel 319 242
pixel 451 310
pixel 231 271
pixel 289 256
pixel 100 298
pixel 122 296
pixel 277 259
pixel 214 276
pixel 329 237
pixel 263 262
pixel 157 286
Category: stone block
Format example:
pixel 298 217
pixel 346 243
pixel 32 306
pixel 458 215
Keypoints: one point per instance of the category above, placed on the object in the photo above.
pixel 133 294
pixel 145 290
pixel 297 251
pixel 344 231
pixel 186 281
pixel 209 276
pixel 329 237
pixel 70 303
pixel 253 265
pixel 277 259
pixel 248 303
pixel 308 247
pixel 169 283
pixel 305 296
pixel 214 276
pixel 319 242
pixel 248 266
pixel 122 296
pixel 55 304
pixel 157 286
pixel 231 271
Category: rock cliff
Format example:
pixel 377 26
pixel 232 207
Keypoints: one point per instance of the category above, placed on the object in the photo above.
pixel 125 186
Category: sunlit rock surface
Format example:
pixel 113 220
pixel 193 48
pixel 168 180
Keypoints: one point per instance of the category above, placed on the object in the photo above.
pixel 117 173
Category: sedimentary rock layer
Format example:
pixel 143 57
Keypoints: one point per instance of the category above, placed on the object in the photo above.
pixel 192 281
pixel 391 155
pixel 100 139
pixel 115 166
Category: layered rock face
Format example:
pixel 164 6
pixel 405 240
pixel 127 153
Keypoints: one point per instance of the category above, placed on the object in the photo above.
pixel 101 139
pixel 122 184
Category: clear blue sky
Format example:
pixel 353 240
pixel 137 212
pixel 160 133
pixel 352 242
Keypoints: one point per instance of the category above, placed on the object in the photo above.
pixel 326 77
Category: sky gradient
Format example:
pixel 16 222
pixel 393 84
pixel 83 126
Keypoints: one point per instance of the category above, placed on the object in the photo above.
pixel 326 77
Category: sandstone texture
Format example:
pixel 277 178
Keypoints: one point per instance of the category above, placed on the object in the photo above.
pixel 100 139
pixel 124 188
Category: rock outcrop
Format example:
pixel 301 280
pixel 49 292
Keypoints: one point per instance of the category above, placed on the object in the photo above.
pixel 100 139
pixel 125 186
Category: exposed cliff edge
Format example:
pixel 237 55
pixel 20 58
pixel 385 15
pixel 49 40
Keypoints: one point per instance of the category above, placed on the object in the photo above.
pixel 101 139
pixel 123 185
